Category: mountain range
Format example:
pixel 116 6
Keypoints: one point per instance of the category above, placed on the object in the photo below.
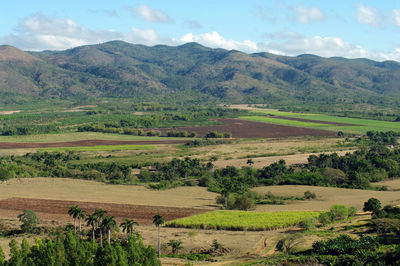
pixel 194 72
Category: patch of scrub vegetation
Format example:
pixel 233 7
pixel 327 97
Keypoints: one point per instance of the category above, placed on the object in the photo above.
pixel 242 220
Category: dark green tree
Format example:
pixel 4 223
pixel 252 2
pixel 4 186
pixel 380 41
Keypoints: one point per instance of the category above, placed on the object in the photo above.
pixel 158 220
pixel 175 245
pixel 107 224
pixel 99 213
pixel 373 205
pixel 74 211
pixel 127 226
pixel 29 220
pixel 91 220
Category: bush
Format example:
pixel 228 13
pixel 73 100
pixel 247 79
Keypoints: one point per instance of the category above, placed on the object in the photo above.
pixel 352 211
pixel 325 218
pixel 373 205
pixel 29 220
pixel 244 203
pixel 339 211
pixel 309 195
pixel 308 223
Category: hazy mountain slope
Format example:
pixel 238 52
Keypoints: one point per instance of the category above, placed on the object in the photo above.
pixel 121 69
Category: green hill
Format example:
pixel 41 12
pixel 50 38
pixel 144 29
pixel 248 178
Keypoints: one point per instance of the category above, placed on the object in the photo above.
pixel 197 73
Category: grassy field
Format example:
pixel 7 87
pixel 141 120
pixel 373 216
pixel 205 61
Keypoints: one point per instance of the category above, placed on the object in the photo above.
pixel 99 148
pixel 364 124
pixel 327 196
pixel 243 220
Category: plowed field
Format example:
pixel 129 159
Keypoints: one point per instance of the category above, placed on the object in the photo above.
pixel 58 209
pixel 249 129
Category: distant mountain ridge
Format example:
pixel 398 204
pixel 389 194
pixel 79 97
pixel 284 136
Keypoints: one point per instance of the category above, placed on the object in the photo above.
pixel 120 69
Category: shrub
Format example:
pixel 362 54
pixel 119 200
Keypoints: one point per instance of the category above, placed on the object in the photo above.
pixel 309 195
pixel 352 211
pixel 373 205
pixel 29 220
pixel 244 203
pixel 308 223
pixel 325 218
pixel 339 211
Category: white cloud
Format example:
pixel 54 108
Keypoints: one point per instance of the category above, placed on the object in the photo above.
pixel 151 15
pixel 215 40
pixel 141 36
pixel 396 13
pixel 39 32
pixel 308 15
pixel 369 16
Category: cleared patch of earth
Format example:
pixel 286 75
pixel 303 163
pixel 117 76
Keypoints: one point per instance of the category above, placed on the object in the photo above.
pixel 250 129
pixel 56 209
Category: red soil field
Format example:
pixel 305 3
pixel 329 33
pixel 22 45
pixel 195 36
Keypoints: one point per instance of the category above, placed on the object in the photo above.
pixel 56 209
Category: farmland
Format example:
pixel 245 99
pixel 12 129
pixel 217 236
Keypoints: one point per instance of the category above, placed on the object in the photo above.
pixel 319 121
pixel 182 178
pixel 240 220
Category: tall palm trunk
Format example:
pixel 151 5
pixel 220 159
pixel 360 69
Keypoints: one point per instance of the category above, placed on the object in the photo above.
pixel 75 225
pixel 101 237
pixel 80 226
pixel 93 235
pixel 159 242
pixel 109 236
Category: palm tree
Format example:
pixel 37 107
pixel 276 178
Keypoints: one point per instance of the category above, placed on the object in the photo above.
pixel 108 223
pixel 91 220
pixel 74 211
pixel 80 215
pixel 127 226
pixel 158 220
pixel 99 214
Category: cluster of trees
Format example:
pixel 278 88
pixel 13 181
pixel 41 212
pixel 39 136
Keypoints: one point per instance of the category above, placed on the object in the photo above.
pixel 183 134
pixel 28 130
pixel 175 169
pixel 216 135
pixel 70 249
pixel 379 138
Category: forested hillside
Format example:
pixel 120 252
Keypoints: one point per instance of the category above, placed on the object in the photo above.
pixel 197 73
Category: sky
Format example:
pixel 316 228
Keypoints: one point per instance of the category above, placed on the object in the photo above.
pixel 346 28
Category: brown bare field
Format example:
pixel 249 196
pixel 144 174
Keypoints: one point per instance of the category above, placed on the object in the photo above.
pixel 91 191
pixel 260 162
pixel 326 197
pixel 250 129
pixel 84 143
pixel 9 112
pixel 58 209
pixel 390 184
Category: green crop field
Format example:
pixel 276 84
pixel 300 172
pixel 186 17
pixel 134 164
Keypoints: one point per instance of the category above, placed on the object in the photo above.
pixel 75 136
pixel 243 220
pixel 99 148
pixel 359 126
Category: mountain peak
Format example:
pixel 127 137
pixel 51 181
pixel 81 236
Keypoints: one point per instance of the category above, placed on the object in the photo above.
pixel 10 53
